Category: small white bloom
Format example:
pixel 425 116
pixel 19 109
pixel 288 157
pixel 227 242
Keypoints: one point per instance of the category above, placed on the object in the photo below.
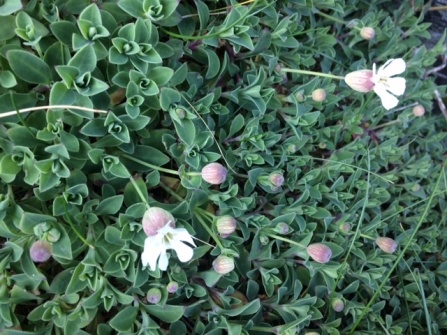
pixel 384 85
pixel 166 238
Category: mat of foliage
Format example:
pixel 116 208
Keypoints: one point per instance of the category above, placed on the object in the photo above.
pixel 152 91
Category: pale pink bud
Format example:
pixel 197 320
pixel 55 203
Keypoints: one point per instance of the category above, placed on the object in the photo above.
pixel 360 81
pixel 418 110
pixel 155 218
pixel 41 251
pixel 386 244
pixel 319 95
pixel 319 252
pixel 154 295
pixel 226 225
pixel 338 305
pixel 214 173
pixel 345 227
pixel 223 264
pixel 276 179
pixel 367 33
pixel 172 287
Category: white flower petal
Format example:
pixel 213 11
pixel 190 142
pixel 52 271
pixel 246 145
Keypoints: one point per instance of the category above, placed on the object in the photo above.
pixel 392 67
pixel 152 251
pixel 163 261
pixel 182 234
pixel 396 85
pixel 184 253
pixel 388 100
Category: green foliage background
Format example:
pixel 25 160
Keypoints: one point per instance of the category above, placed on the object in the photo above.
pixel 155 90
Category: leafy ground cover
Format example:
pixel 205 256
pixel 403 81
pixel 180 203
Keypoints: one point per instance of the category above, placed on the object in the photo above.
pixel 210 167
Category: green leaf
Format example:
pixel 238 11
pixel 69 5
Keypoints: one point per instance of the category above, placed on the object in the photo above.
pixel 8 24
pixel 124 320
pixel 167 313
pixel 63 31
pixel 7 79
pixel 110 206
pixel 161 75
pixel 9 7
pixel 28 67
pixel 186 131
pixel 84 60
pixel 61 95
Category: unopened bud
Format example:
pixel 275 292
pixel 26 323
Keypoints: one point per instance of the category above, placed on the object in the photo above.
pixel 416 188
pixel 418 110
pixel 299 96
pixel 53 235
pixel 226 225
pixel 214 173
pixel 156 218
pixel 41 251
pixel 223 264
pixel 263 239
pixel 338 305
pixel 360 81
pixel 282 228
pixel 319 252
pixel 322 145
pixel 180 113
pixel 386 244
pixel 292 148
pixel 154 295
pixel 41 228
pixel 345 227
pixel 172 287
pixel 319 95
pixel 276 179
pixel 367 33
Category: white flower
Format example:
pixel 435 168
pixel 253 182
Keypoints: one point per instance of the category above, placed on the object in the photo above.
pixel 166 238
pixel 384 84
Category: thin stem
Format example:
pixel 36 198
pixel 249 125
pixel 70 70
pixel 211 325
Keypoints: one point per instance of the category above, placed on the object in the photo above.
pixel 22 120
pixel 210 232
pixel 312 73
pixel 134 183
pixel 171 192
pixel 285 240
pixel 74 228
pixel 367 237
pixel 155 167
pixel 330 17
pixel 210 215
pixel 26 110
pixel 384 125
pixel 437 8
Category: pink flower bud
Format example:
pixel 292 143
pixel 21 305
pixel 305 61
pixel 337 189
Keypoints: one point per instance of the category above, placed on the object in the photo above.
pixel 155 218
pixel 345 227
pixel 360 81
pixel 226 225
pixel 367 33
pixel 276 179
pixel 41 251
pixel 319 95
pixel 154 295
pixel 338 305
pixel 319 252
pixel 214 173
pixel 418 110
pixel 282 228
pixel 172 287
pixel 386 244
pixel 299 96
pixel 416 188
pixel 223 264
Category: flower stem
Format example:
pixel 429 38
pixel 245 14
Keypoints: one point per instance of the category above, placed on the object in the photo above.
pixel 20 116
pixel 171 192
pixel 134 183
pixel 150 165
pixel 367 237
pixel 285 240
pixel 208 229
pixel 312 73
pixel 330 17
pixel 74 228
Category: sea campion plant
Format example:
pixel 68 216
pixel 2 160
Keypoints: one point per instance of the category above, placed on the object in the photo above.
pixel 208 167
